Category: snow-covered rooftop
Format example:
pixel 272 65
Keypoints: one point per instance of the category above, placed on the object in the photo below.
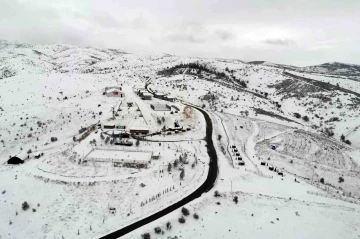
pixel 120 156
pixel 112 90
pixel 139 128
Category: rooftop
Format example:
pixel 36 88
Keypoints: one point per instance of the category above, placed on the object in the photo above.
pixel 119 155
pixel 112 90
pixel 139 128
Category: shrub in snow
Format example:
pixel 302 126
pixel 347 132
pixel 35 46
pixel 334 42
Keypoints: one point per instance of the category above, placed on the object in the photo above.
pixel 182 219
pixel 168 225
pixel 53 139
pixel 217 194
pixel 305 118
pixel 157 230
pixel 235 199
pixel 169 167
pixel 175 163
pixel 341 179
pixel 25 206
pixel 182 174
pixel 196 216
pixel 297 115
pixel 322 180
pixel 348 142
pixel 29 151
pixel 145 236
pixel 185 211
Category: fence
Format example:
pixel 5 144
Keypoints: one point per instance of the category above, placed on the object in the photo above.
pixel 111 148
pixel 157 195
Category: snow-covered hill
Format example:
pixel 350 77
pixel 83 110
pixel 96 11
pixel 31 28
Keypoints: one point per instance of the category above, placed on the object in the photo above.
pixel 329 68
pixel 336 68
pixel 18 58
pixel 280 90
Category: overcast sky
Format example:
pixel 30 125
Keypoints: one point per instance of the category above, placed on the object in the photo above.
pixel 298 32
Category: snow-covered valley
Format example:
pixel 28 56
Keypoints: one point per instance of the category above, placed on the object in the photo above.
pixel 287 141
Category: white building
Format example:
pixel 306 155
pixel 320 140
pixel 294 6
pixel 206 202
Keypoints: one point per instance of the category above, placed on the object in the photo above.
pixel 114 93
pixel 146 96
pixel 120 158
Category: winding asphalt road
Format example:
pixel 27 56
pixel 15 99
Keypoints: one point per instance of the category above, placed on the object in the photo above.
pixel 205 187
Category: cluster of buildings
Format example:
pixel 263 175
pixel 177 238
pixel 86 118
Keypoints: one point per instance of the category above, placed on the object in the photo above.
pixel 146 95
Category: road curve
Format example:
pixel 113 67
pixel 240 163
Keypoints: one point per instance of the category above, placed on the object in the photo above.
pixel 205 187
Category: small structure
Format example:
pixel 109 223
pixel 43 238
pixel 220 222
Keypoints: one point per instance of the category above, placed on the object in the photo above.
pixel 146 96
pixel 120 158
pixel 15 160
pixel 155 155
pixel 170 98
pixel 159 95
pixel 114 93
pixel 38 155
pixel 140 90
pixel 139 130
pixel 108 126
pixel 112 210
pixel 116 133
pixel 160 107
